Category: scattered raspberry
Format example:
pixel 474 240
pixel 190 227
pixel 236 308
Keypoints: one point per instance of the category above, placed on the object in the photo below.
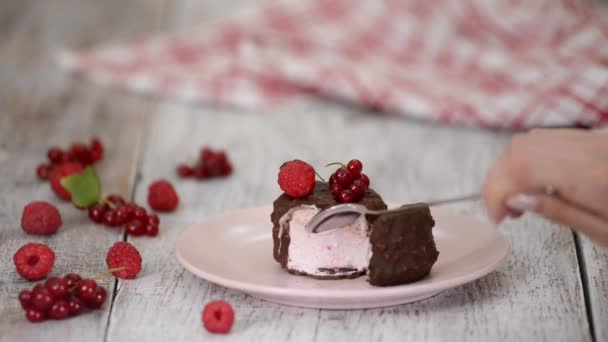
pixel 162 196
pixel 218 317
pixel 123 254
pixel 34 261
pixel 40 218
pixel 297 179
pixel 348 184
pixel 58 173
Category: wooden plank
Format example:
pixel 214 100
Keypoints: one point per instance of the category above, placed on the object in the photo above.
pixel 595 259
pixel 536 295
pixel 42 107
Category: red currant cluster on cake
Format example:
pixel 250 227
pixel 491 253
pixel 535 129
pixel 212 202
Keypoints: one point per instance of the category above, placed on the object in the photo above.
pixel 348 184
pixel 114 211
pixel 211 164
pixel 78 152
pixel 59 298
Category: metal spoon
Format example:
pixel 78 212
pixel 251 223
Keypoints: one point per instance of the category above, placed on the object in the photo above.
pixel 343 214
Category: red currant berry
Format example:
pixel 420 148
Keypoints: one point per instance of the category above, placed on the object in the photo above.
pixel 69 156
pixel 57 286
pixel 360 184
pixel 86 290
pixel 122 215
pixel 117 200
pixel 43 299
pixel 37 287
pixel 131 207
pixel 206 154
pixel 344 177
pixel 97 213
pixel 346 196
pixel 364 179
pixel 135 228
pixel 332 179
pixel 110 219
pixel 72 280
pixel 357 191
pixel 96 149
pixel 336 189
pixel 226 170
pixel 153 219
pixel 25 298
pixel 202 172
pixel 43 171
pixel 214 167
pixel 59 310
pixel 75 306
pixel 82 153
pixel 185 171
pixel 151 230
pixel 98 299
pixel 355 167
pixel 140 215
pixel 221 159
pixel 55 155
pixel 35 316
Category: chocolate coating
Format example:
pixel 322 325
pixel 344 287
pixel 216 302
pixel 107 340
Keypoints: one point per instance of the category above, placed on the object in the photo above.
pixel 403 248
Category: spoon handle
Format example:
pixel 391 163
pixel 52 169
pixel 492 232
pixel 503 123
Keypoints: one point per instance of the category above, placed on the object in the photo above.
pixel 471 197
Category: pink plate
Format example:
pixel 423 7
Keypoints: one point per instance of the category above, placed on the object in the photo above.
pixel 235 250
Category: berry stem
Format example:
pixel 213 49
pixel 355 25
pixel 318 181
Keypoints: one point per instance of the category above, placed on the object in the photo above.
pixel 109 203
pixel 318 175
pixel 108 271
pixel 336 163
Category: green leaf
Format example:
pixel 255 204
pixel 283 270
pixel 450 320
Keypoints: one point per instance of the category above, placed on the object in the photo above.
pixel 84 187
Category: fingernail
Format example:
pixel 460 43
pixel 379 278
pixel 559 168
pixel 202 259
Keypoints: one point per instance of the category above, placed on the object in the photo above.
pixel 522 202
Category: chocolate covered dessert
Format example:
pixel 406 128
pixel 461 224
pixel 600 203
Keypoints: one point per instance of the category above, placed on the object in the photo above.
pixel 391 249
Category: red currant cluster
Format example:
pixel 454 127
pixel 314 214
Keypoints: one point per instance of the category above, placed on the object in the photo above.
pixel 348 184
pixel 211 164
pixel 114 211
pixel 59 298
pixel 78 152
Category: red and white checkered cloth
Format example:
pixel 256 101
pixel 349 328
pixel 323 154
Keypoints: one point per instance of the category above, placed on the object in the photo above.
pixel 501 63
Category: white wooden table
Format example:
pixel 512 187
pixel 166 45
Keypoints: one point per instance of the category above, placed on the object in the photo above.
pixel 553 287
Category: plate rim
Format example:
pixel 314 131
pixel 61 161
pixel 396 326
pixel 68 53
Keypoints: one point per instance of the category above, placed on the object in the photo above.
pixel 403 290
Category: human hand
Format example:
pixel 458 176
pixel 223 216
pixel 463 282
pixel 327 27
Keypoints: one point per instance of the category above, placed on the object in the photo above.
pixel 572 162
